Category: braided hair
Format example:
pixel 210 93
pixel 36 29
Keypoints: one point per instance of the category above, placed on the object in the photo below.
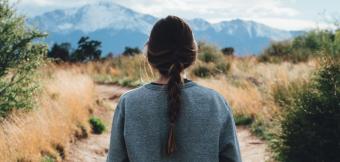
pixel 171 49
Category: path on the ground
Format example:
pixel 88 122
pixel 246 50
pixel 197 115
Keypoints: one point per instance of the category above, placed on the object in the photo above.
pixel 94 148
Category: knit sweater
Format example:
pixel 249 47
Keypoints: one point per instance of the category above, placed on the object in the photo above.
pixel 205 130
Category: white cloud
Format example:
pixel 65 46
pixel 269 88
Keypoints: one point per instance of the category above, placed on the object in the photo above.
pixel 275 13
pixel 293 24
pixel 212 8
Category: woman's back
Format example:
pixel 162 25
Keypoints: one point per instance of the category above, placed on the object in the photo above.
pixel 205 130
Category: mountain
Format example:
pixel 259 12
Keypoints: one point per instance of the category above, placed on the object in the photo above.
pixel 117 26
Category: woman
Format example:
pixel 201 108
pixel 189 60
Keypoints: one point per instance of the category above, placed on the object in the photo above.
pixel 173 119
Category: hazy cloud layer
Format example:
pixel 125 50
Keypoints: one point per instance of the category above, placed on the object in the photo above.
pixel 277 13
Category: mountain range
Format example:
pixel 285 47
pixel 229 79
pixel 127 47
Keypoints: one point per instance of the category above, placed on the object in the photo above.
pixel 117 26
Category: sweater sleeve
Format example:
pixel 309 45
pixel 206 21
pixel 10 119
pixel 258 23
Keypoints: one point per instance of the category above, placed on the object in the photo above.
pixel 229 146
pixel 117 149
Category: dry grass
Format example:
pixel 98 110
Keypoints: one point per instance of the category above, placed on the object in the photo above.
pixel 249 86
pixel 63 112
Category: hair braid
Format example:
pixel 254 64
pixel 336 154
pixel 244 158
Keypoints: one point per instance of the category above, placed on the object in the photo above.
pixel 174 93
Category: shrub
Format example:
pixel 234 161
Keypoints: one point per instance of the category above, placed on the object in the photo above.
pixel 260 129
pixel 310 127
pixel 129 51
pixel 208 57
pixel 284 94
pixel 202 71
pixel 209 53
pixel 47 158
pixel 279 49
pixel 20 55
pixel 223 67
pixel 303 47
pixel 228 51
pixel 243 120
pixel 98 127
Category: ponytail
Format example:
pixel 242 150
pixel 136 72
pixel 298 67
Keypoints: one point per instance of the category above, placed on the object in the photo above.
pixel 174 93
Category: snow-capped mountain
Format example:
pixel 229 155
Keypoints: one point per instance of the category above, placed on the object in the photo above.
pixel 117 26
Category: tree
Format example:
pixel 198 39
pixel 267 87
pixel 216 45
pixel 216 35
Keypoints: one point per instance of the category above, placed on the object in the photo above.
pixel 228 51
pixel 60 51
pixel 87 50
pixel 131 51
pixel 20 56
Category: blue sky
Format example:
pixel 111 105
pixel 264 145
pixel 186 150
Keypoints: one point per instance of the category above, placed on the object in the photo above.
pixel 283 14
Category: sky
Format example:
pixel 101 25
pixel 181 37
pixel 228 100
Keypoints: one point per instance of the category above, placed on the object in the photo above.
pixel 282 14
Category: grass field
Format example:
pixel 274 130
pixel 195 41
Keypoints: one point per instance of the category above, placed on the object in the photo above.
pixel 61 116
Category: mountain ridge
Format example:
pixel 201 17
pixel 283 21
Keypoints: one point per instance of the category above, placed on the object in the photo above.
pixel 117 26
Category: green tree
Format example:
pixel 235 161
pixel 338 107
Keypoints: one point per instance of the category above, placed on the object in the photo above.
pixel 129 51
pixel 60 51
pixel 87 50
pixel 20 56
pixel 228 51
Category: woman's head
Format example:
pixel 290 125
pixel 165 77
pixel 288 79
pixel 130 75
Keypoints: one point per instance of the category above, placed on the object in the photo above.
pixel 171 45
pixel 171 49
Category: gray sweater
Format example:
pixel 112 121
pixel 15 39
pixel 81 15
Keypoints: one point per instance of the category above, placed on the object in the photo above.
pixel 205 130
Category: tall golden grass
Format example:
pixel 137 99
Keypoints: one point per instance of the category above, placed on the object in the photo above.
pixel 249 85
pixel 62 113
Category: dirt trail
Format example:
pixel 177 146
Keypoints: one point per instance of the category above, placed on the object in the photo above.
pixel 94 148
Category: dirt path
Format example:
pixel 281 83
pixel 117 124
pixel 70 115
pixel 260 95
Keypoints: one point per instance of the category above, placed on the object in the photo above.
pixel 94 148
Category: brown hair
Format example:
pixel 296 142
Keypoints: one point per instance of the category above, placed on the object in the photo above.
pixel 171 49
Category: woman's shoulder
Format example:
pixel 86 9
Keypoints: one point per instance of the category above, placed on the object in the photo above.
pixel 207 91
pixel 132 92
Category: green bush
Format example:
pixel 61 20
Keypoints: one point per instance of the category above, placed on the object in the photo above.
pixel 303 47
pixel 97 125
pixel 47 158
pixel 262 129
pixel 208 57
pixel 243 120
pixel 20 55
pixel 202 71
pixel 209 53
pixel 284 94
pixel 223 67
pixel 310 129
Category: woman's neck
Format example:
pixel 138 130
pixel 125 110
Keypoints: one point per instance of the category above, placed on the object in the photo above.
pixel 163 80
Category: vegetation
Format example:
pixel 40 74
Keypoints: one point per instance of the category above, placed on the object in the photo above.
pixel 211 62
pixel 310 124
pixel 131 51
pixel 228 51
pixel 20 55
pixel 243 120
pixel 58 113
pixel 98 127
pixel 60 51
pixel 60 116
pixel 88 50
pixel 304 47
pixel 273 94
